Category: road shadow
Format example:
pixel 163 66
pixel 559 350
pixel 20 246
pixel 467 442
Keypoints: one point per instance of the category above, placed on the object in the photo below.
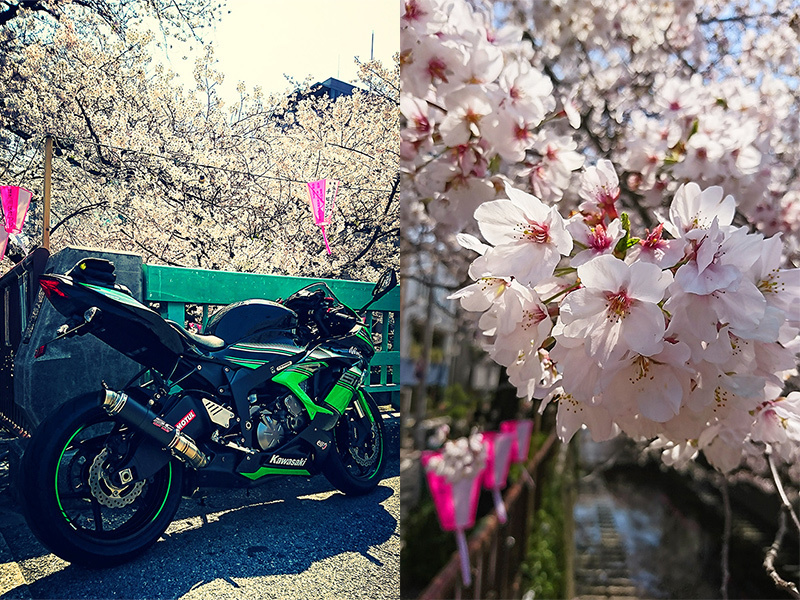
pixel 271 533
pixel 279 529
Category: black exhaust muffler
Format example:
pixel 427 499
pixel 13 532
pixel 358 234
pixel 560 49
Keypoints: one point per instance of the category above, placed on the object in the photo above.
pixel 119 404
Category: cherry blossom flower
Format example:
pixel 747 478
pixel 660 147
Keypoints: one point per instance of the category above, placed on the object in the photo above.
pixel 656 384
pixel 502 300
pixel 680 331
pixel 597 239
pixel 693 208
pixel 617 309
pixel 600 190
pixel 777 421
pixel 528 237
pixel 523 341
pixel 465 109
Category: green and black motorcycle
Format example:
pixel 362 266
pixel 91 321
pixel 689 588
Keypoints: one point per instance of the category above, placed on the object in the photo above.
pixel 268 389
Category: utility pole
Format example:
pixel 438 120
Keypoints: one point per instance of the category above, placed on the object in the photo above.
pixel 48 173
pixel 420 400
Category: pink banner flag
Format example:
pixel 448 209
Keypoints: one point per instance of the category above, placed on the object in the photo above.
pixel 16 201
pixel 522 429
pixel 322 195
pixel 498 461
pixel 456 506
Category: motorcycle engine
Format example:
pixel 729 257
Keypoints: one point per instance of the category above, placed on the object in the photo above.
pixel 277 421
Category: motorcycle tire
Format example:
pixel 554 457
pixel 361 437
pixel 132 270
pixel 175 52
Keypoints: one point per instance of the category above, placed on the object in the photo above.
pixel 70 505
pixel 357 461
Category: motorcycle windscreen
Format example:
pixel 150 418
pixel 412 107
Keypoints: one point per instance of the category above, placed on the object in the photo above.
pixel 125 324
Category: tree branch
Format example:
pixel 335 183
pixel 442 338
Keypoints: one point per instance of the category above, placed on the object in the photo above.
pixel 726 539
pixel 772 553
pixel 13 10
pixel 377 227
pixel 77 212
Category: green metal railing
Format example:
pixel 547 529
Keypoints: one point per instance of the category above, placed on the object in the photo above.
pixel 175 287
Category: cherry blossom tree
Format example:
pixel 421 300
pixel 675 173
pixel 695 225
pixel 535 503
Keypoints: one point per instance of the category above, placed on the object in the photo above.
pixel 146 164
pixel 623 180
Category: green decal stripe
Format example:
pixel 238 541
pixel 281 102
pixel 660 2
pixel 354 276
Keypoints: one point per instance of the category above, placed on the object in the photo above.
pixel 252 364
pixel 299 371
pixel 346 386
pixel 262 349
pixel 166 495
pixel 380 460
pixel 115 295
pixel 55 487
pixel 274 471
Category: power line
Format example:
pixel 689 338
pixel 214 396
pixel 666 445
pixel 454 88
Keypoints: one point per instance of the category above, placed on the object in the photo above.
pixel 186 163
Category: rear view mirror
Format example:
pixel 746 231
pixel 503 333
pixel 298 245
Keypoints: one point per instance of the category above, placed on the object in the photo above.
pixel 385 282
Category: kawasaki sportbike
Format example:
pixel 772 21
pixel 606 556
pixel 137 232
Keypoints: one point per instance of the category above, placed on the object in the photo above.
pixel 268 389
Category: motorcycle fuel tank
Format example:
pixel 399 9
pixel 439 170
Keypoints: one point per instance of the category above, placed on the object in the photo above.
pixel 254 321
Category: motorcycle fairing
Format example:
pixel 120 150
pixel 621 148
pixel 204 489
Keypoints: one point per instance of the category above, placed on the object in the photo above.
pixel 126 325
pixel 253 356
pixel 310 446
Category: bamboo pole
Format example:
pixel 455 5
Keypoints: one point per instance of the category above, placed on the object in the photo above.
pixel 48 172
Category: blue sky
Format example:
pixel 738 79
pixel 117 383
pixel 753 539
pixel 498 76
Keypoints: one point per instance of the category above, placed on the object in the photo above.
pixel 258 41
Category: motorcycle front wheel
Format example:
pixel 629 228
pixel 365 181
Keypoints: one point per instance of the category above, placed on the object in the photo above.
pixel 356 463
pixel 70 503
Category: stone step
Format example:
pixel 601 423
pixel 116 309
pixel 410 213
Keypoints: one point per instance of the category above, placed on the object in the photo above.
pixel 607 591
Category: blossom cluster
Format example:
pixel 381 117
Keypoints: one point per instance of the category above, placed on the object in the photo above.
pixel 459 459
pixel 144 164
pixel 683 333
pixel 474 105
pixel 637 292
pixel 671 93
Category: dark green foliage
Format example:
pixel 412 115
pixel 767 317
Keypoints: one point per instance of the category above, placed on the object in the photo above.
pixel 426 548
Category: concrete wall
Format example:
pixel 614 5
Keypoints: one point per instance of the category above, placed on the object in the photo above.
pixel 72 366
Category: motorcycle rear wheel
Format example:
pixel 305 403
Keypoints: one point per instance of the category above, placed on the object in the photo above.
pixel 72 507
pixel 357 461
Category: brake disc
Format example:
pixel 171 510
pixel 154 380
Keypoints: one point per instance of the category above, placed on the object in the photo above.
pixel 367 458
pixel 106 492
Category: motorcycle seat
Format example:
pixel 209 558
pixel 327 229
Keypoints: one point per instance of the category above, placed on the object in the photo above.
pixel 203 342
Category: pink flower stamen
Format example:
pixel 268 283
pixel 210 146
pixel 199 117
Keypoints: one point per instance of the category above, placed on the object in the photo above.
pixel 437 68
pixel 599 238
pixel 606 202
pixel 531 318
pixel 653 238
pixel 421 124
pixel 413 11
pixel 619 304
pixel 537 232
pixel 521 133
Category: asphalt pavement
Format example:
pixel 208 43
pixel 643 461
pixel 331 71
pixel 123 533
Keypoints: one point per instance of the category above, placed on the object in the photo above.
pixel 291 538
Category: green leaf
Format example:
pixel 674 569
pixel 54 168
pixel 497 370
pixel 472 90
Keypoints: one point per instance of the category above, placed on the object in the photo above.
pixel 621 249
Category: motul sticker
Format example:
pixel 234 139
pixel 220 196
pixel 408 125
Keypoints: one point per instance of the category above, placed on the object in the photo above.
pixel 185 420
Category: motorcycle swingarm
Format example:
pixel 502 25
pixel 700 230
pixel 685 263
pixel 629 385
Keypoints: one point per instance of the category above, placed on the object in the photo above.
pixel 148 458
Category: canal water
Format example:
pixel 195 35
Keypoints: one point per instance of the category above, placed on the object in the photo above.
pixel 638 536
